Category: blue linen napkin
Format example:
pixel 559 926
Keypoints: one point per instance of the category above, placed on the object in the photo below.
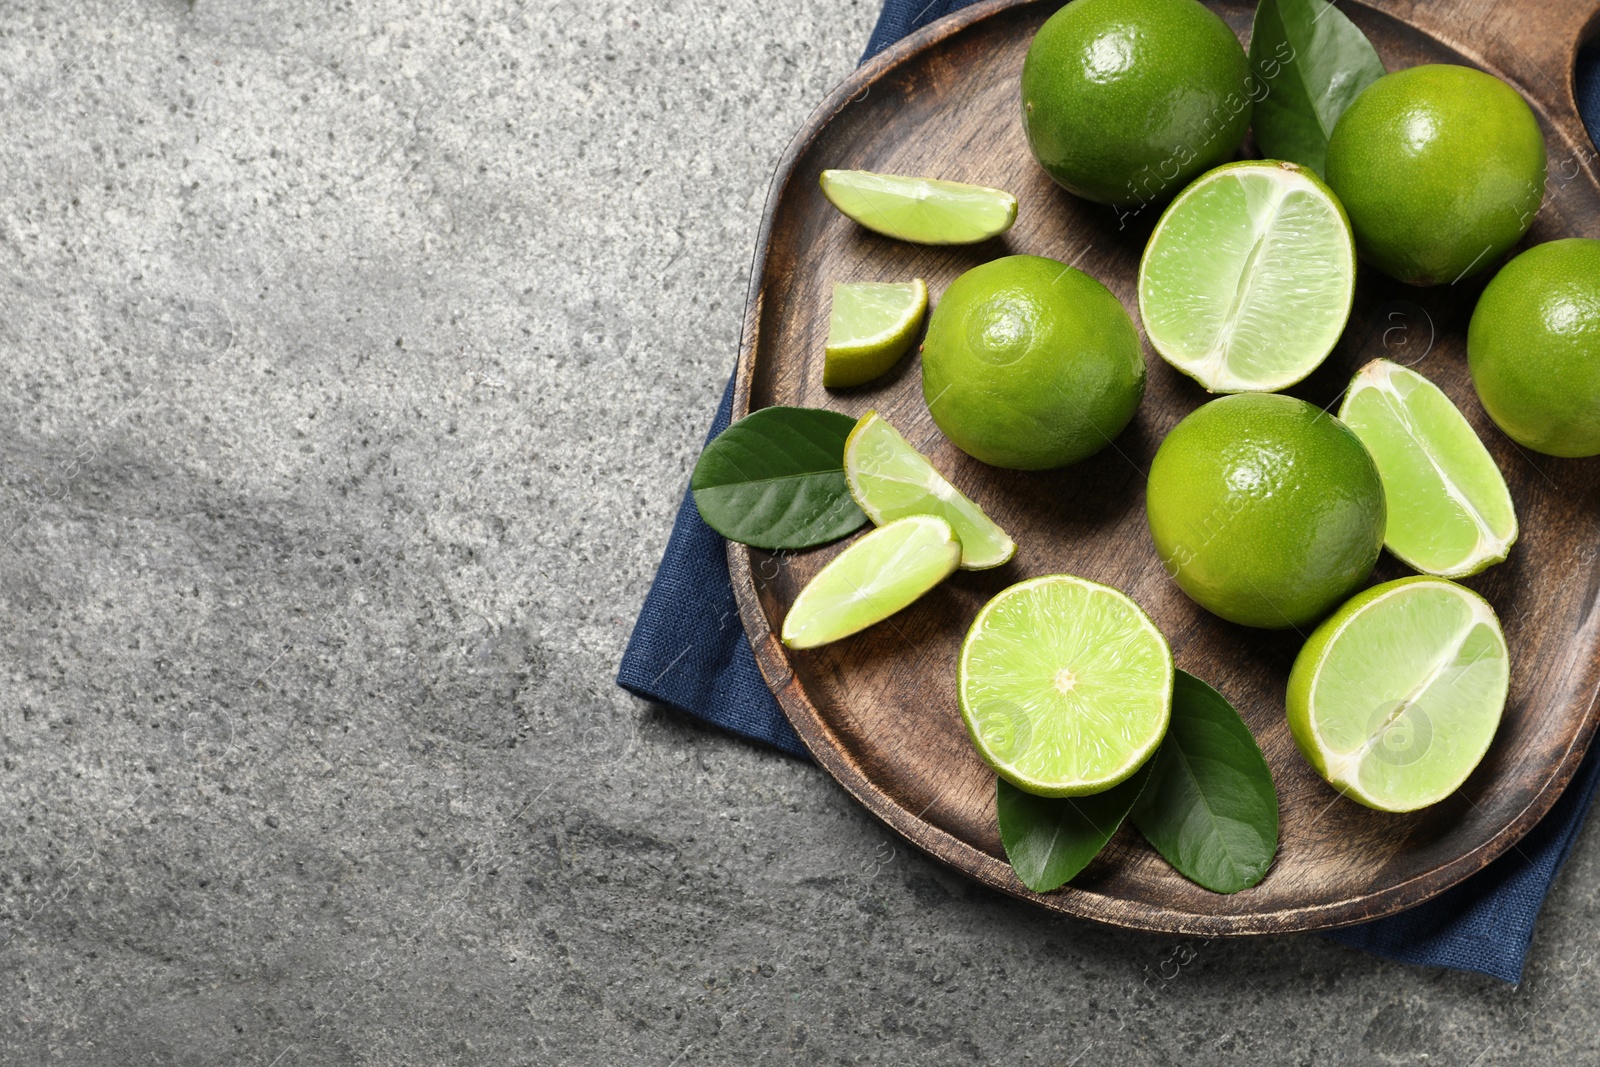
pixel 689 650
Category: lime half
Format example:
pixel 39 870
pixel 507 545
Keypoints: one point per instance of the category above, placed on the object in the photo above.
pixel 883 572
pixel 1248 278
pixel 925 211
pixel 1396 697
pixel 891 480
pixel 870 327
pixel 1450 513
pixel 1065 685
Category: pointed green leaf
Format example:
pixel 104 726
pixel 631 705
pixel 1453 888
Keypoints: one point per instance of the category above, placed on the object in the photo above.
pixel 1310 62
pixel 775 479
pixel 1210 809
pixel 1050 839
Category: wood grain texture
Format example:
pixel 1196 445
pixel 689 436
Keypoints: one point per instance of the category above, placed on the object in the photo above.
pixel 879 710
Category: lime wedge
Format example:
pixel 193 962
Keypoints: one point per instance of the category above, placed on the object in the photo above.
pixel 1065 685
pixel 1450 513
pixel 1247 280
pixel 924 211
pixel 890 480
pixel 871 580
pixel 1396 697
pixel 871 326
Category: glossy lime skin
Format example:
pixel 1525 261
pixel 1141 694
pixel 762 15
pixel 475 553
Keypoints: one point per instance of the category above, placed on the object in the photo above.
pixel 1031 364
pixel 1267 510
pixel 1534 348
pixel 1441 170
pixel 1125 100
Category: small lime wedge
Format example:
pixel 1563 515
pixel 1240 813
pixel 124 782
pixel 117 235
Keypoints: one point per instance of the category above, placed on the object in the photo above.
pixel 1248 279
pixel 875 577
pixel 924 211
pixel 1450 513
pixel 1396 697
pixel 1065 685
pixel 890 480
pixel 870 327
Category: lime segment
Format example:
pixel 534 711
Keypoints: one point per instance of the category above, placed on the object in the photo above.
pixel 1396 697
pixel 1248 278
pixel 1065 685
pixel 870 327
pixel 1450 513
pixel 890 480
pixel 883 572
pixel 924 211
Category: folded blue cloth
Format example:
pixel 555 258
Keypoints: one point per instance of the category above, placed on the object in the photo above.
pixel 689 650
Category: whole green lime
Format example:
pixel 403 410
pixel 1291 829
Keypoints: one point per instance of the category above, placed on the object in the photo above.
pixel 1441 170
pixel 1125 100
pixel 1534 348
pixel 1267 510
pixel 1030 364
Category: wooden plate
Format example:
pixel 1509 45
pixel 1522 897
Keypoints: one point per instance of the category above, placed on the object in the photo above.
pixel 879 710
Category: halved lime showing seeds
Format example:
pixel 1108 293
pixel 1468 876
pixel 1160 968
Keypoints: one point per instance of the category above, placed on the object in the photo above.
pixel 1065 685
pixel 1396 697
pixel 877 576
pixel 890 480
pixel 870 327
pixel 925 211
pixel 1247 281
pixel 1450 513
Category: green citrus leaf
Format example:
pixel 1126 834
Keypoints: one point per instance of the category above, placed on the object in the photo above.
pixel 1310 62
pixel 775 479
pixel 1050 839
pixel 1210 809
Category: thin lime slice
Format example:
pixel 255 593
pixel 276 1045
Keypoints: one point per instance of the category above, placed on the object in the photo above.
pixel 1065 685
pixel 870 327
pixel 1450 513
pixel 871 580
pixel 1248 278
pixel 1396 697
pixel 924 211
pixel 890 480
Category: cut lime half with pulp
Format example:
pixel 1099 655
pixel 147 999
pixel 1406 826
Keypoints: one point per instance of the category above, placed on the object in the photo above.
pixel 875 577
pixel 1065 685
pixel 1396 697
pixel 890 480
pixel 870 327
pixel 1450 513
pixel 1247 281
pixel 924 211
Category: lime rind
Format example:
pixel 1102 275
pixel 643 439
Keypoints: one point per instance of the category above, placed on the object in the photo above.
pixel 875 577
pixel 1450 513
pixel 870 326
pixel 1065 685
pixel 1396 698
pixel 890 480
pixel 1247 282
pixel 927 211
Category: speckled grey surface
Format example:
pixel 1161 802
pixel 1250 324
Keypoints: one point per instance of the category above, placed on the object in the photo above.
pixel 356 356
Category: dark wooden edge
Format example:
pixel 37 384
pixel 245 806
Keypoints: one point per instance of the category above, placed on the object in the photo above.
pixel 807 720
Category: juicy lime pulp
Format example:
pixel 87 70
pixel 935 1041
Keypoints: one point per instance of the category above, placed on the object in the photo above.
pixel 870 326
pixel 872 579
pixel 1396 697
pixel 1247 281
pixel 925 211
pixel 1065 685
pixel 1450 513
pixel 890 480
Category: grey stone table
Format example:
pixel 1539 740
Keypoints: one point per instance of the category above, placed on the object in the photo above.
pixel 355 356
